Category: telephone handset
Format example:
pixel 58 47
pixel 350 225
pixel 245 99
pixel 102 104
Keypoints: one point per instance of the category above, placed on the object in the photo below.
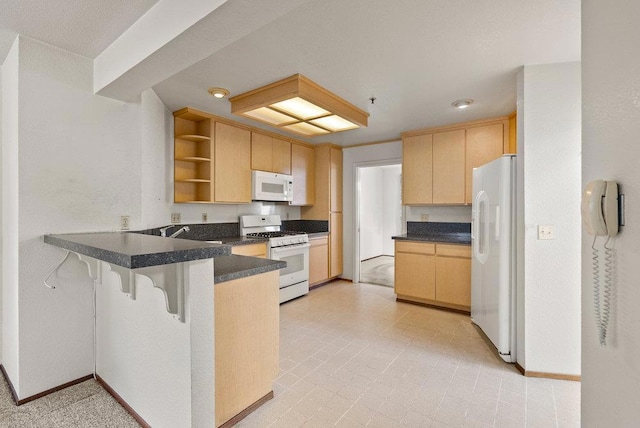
pixel 600 218
pixel 600 208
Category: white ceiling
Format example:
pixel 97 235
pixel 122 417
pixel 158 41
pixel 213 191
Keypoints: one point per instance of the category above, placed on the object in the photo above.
pixel 414 56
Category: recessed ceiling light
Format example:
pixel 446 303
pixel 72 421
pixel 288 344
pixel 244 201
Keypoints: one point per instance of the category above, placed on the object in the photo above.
pixel 462 103
pixel 218 92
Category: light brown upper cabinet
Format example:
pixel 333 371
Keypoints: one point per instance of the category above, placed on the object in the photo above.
pixel 417 171
pixel 448 167
pixel 270 154
pixel 303 171
pixel 484 144
pixel 437 163
pixel 336 180
pixel 232 164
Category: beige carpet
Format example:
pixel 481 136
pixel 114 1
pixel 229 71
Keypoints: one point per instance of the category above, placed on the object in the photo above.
pixel 86 404
pixel 378 270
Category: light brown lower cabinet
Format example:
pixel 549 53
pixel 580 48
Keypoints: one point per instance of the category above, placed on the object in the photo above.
pixel 253 250
pixel 318 260
pixel 247 325
pixel 434 274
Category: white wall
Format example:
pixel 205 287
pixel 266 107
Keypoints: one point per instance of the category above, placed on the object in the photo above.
pixel 450 214
pixel 78 170
pixel 391 206
pixel 549 120
pixel 10 213
pixel 1 240
pixel 611 125
pixel 372 154
pixel 131 333
pixel 370 212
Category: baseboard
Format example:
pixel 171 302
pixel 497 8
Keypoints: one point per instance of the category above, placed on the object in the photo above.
pixel 123 403
pixel 436 305
pixel 41 394
pixel 559 376
pixel 328 281
pixel 246 412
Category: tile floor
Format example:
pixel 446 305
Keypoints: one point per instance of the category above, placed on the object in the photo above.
pixel 351 356
pixel 378 270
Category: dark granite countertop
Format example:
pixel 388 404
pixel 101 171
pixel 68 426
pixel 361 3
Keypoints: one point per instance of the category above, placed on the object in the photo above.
pixel 317 234
pixel 234 267
pixel 135 250
pixel 440 238
pixel 438 232
pixel 236 240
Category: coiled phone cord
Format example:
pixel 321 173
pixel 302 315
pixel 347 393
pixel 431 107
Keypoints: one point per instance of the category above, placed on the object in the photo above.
pixel 602 298
pixel 606 291
pixel 595 268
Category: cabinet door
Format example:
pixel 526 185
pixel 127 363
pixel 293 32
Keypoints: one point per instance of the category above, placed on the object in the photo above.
pixel 281 156
pixel 453 279
pixel 449 167
pixel 232 164
pixel 415 275
pixel 417 177
pixel 261 152
pixel 318 260
pixel 484 144
pixel 253 250
pixel 335 180
pixel 335 241
pixel 304 175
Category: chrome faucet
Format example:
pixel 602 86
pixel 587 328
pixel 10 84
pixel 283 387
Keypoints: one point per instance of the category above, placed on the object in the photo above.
pixel 163 231
pixel 179 231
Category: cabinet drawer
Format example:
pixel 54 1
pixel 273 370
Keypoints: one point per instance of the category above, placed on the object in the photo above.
pixel 415 247
pixel 315 242
pixel 454 250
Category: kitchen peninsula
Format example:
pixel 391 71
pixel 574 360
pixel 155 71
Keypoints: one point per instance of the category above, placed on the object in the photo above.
pixel 158 352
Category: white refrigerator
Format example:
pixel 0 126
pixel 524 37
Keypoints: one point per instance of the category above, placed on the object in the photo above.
pixel 493 263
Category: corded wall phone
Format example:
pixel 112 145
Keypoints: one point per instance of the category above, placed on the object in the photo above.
pixel 600 218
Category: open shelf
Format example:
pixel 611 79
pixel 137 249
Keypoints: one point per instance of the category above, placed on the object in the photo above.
pixel 193 180
pixel 193 159
pixel 194 138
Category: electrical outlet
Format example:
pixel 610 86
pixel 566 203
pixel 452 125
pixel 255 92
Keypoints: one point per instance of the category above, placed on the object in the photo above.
pixel 175 218
pixel 546 232
pixel 124 222
pixel 424 217
pixel 204 217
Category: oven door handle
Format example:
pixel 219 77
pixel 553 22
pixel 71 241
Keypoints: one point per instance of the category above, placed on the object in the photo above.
pixel 288 248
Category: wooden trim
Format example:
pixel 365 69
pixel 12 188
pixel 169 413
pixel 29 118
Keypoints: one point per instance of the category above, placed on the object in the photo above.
pixel 43 393
pixel 246 412
pixel 454 126
pixel 123 403
pixel 298 85
pixel 326 282
pixel 390 140
pixel 189 111
pixel 331 145
pixel 433 304
pixel 559 376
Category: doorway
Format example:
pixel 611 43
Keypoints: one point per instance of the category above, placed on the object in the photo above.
pixel 380 216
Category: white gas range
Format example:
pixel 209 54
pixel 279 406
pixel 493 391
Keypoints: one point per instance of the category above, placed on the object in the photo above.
pixel 291 247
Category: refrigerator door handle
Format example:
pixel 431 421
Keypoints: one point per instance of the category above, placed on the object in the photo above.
pixel 481 222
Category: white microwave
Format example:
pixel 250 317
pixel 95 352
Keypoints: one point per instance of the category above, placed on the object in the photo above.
pixel 270 186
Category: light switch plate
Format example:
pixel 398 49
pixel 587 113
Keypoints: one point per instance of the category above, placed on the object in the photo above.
pixel 424 217
pixel 546 232
pixel 175 218
pixel 204 217
pixel 124 222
